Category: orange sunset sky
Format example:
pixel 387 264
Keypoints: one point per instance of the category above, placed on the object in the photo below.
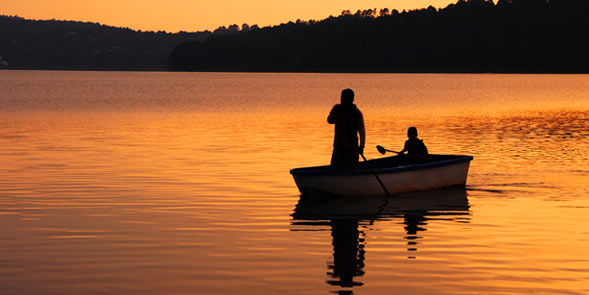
pixel 196 15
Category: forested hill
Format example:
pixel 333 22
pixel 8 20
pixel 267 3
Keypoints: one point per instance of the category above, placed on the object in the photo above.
pixel 549 36
pixel 51 44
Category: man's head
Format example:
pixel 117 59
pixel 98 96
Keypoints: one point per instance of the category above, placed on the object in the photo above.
pixel 412 132
pixel 347 96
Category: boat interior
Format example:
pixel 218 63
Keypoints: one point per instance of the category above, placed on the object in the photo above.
pixel 393 161
pixel 385 163
pixel 403 160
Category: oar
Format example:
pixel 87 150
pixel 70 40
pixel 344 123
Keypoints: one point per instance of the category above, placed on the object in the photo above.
pixel 375 175
pixel 383 151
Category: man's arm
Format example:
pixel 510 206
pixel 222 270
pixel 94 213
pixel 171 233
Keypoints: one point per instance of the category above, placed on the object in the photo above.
pixel 332 118
pixel 361 131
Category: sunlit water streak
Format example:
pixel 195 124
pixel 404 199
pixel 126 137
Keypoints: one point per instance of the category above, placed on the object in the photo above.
pixel 153 183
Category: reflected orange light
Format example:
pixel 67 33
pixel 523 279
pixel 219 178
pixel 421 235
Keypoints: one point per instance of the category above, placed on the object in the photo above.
pixel 190 192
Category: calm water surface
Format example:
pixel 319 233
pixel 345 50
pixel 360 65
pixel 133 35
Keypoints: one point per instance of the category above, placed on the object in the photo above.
pixel 178 183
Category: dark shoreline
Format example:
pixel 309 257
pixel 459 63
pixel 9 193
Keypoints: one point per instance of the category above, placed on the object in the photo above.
pixel 468 37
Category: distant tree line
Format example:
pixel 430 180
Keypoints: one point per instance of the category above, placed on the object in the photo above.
pixel 53 44
pixel 233 29
pixel 469 36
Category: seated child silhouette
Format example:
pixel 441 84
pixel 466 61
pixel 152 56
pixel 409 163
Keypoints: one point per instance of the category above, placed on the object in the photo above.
pixel 414 145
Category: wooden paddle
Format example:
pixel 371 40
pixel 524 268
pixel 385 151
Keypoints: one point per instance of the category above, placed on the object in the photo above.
pixel 375 175
pixel 383 151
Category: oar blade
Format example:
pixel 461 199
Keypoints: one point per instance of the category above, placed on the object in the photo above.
pixel 381 149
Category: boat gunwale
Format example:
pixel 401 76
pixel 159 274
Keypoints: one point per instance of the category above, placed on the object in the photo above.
pixel 327 171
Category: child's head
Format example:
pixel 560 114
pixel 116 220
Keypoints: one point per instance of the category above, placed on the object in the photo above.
pixel 412 132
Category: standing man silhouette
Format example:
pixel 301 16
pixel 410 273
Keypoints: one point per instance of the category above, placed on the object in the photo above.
pixel 349 122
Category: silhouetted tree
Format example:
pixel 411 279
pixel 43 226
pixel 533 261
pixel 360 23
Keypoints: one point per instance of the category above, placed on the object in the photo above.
pixel 222 30
pixel 233 29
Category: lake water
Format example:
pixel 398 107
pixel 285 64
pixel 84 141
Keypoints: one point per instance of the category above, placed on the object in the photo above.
pixel 178 183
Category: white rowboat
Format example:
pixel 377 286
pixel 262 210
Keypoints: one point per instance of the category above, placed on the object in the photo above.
pixel 398 174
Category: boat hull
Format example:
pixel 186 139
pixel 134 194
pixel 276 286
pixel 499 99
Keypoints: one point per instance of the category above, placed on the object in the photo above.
pixel 362 182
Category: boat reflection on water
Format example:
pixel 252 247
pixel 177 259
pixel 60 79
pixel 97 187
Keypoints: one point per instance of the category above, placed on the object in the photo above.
pixel 348 218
